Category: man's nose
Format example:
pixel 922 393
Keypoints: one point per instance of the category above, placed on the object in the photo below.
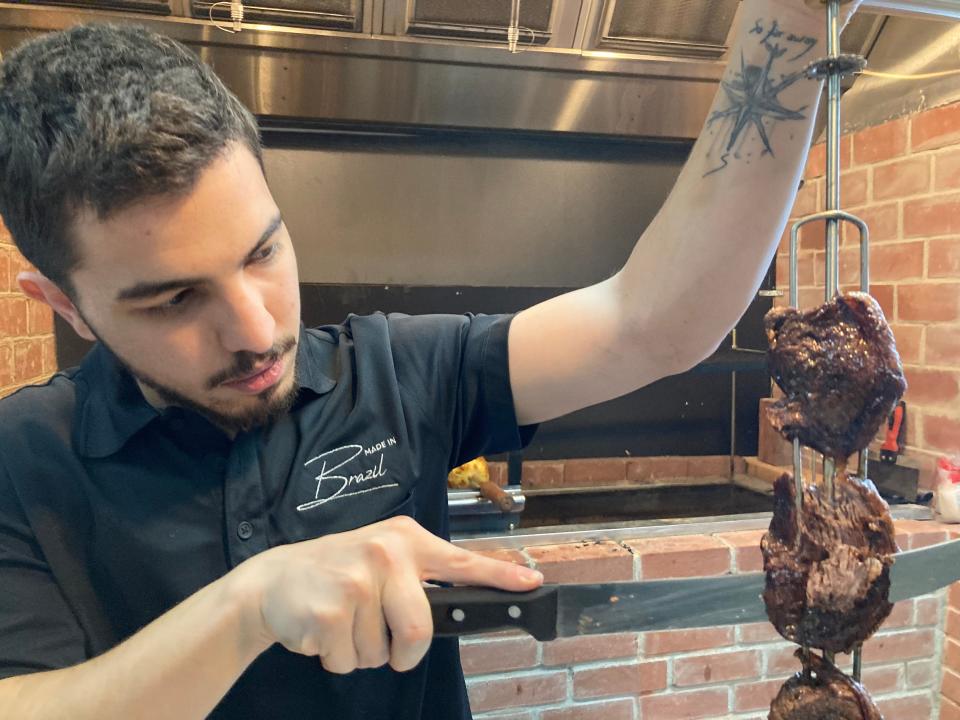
pixel 246 324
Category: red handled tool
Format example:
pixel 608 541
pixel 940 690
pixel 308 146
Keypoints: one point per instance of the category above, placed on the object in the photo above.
pixel 896 434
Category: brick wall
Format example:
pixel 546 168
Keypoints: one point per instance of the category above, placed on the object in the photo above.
pixel 27 351
pixel 725 672
pixel 903 179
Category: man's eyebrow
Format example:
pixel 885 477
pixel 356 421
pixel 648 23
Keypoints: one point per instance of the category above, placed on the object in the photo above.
pixel 145 290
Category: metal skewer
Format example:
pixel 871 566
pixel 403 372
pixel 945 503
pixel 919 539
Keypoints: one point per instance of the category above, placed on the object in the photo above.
pixel 833 67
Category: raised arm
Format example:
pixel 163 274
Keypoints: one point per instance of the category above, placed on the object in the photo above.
pixel 696 268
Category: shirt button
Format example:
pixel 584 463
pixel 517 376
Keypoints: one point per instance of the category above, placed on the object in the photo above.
pixel 244 530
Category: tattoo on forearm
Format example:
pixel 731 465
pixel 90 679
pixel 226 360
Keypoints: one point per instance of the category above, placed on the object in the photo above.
pixel 753 105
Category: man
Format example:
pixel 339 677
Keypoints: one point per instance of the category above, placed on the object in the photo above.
pixel 223 513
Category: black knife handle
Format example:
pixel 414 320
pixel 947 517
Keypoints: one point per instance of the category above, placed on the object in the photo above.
pixel 471 610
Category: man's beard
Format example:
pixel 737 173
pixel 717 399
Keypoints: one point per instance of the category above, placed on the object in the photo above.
pixel 272 402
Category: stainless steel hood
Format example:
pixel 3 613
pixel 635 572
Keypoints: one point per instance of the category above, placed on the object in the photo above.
pixel 595 67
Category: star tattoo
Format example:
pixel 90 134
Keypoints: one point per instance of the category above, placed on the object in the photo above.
pixel 754 103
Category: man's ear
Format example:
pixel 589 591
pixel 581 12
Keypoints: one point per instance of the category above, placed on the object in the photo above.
pixel 38 287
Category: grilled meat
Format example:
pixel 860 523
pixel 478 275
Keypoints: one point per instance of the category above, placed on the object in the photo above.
pixel 828 565
pixel 821 691
pixel 839 370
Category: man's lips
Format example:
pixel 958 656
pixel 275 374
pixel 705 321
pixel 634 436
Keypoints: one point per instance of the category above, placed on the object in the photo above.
pixel 265 377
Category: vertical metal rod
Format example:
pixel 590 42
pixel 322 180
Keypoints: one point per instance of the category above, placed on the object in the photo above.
pixel 857 662
pixel 513 31
pixel 833 153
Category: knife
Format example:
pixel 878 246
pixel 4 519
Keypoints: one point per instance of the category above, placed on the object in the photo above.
pixel 554 611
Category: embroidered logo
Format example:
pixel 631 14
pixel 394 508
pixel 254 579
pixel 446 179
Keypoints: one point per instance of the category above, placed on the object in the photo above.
pixel 336 483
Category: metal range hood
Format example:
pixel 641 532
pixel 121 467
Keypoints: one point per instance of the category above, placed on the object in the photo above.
pixel 627 68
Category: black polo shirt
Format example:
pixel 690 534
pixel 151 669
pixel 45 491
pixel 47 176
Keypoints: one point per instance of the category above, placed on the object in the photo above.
pixel 112 512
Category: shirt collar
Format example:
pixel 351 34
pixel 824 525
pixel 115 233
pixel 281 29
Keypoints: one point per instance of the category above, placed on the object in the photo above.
pixel 111 408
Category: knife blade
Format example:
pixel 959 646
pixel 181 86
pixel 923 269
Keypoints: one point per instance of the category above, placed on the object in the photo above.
pixel 554 611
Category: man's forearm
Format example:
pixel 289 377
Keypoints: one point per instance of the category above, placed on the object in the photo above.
pixel 177 667
pixel 720 227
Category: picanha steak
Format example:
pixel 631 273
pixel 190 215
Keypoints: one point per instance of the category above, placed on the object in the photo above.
pixel 839 370
pixel 821 692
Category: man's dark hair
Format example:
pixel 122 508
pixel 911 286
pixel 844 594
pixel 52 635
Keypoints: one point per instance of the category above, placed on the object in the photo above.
pixel 99 117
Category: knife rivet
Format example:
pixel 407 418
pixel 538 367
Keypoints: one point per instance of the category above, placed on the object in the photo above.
pixel 514 612
pixel 458 615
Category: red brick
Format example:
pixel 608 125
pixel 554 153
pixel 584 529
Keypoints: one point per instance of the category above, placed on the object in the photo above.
pixel 746 549
pixel 782 661
pixel 49 356
pixel 755 695
pixel 928 611
pixel 895 261
pixel 812 235
pixel 27 360
pixel 950 686
pixel 883 222
pixel 880 143
pixel 900 616
pixel 6 364
pixel 921 673
pixel 952 625
pixel 910 707
pixel 719 667
pixel 542 474
pixel 595 472
pixel 571 651
pixel 807 201
pixel 951 652
pixel 650 470
pixel 932 387
pixel 949 710
pixel 941 433
pixel 935 128
pixel 710 703
pixel 853 188
pixel 942 345
pixel 880 680
pixel 899 646
pixel 685 556
pixel 901 179
pixel 609 710
pixel 498 655
pixel 947 170
pixel 909 341
pixel 921 533
pixel 6 278
pixel 928 302
pixel 926 217
pixel 759 633
pixel 944 258
pixel 816 162
pixel 953 596
pixel 700 466
pixel 583 562
pixel 634 679
pixel 518 691
pixel 39 318
pixel 668 642
pixel 13 317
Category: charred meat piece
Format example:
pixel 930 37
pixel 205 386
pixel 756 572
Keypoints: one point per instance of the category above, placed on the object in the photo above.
pixel 828 564
pixel 839 370
pixel 820 692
